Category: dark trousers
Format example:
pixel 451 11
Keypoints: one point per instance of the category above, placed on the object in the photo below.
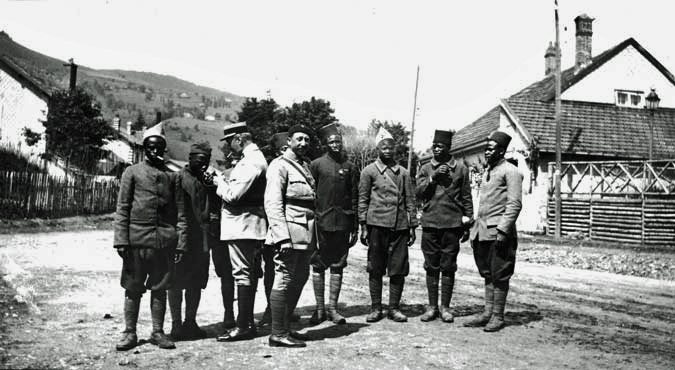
pixel 147 268
pixel 388 251
pixel 440 248
pixel 495 265
pixel 332 252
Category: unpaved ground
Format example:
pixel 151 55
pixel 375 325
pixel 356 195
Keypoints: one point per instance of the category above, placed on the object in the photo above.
pixel 558 317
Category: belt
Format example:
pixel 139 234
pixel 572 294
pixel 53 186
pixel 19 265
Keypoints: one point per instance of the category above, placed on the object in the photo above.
pixel 304 203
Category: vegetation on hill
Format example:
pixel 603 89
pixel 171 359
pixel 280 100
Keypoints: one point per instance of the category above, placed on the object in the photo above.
pixel 126 93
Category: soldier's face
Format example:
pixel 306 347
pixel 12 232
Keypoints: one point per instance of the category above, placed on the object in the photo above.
pixel 440 150
pixel 235 144
pixel 154 148
pixel 198 162
pixel 299 143
pixel 386 149
pixel 334 143
pixel 493 152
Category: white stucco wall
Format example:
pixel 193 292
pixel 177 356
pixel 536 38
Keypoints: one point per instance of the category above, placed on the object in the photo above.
pixel 20 108
pixel 628 70
pixel 121 149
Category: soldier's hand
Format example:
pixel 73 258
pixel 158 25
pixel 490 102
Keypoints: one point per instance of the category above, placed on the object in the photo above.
pixel 285 248
pixel 465 236
pixel 501 239
pixel 443 169
pixel 465 220
pixel 364 235
pixel 178 257
pixel 353 237
pixel 413 236
pixel 122 251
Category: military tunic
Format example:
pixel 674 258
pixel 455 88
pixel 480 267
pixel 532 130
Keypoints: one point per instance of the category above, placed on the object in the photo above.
pixel 444 204
pixel 387 207
pixel 500 203
pixel 150 224
pixel 337 186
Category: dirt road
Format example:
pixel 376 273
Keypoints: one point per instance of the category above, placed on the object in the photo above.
pixel 557 318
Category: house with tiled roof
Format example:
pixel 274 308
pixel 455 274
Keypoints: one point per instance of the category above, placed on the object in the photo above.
pixel 603 113
pixel 23 105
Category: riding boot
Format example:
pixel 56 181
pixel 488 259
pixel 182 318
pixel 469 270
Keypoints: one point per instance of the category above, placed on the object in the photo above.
pixel 175 308
pixel 158 311
pixel 431 312
pixel 131 308
pixel 319 283
pixel 447 286
pixel 483 318
pixel 496 322
pixel 190 327
pixel 396 284
pixel 334 294
pixel 375 287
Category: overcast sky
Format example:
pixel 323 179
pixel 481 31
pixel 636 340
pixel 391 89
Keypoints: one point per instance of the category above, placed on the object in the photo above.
pixel 360 55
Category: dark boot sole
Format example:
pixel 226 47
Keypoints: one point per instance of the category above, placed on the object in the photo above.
pixel 126 348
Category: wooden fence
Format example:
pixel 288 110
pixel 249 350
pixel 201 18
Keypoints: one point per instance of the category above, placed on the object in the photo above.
pixel 628 202
pixel 33 194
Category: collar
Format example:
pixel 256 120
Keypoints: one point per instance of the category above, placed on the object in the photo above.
pixel 497 164
pixel 290 154
pixel 452 163
pixel 383 167
pixel 249 149
pixel 338 160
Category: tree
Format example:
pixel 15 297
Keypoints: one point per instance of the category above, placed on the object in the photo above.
pixel 74 128
pixel 139 124
pixel 31 137
pixel 261 116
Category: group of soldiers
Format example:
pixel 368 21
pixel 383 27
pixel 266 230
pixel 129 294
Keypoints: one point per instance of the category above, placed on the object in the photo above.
pixel 294 216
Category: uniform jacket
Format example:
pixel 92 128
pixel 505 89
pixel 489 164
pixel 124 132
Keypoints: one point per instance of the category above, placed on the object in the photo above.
pixel 196 210
pixel 500 201
pixel 446 202
pixel 243 214
pixel 150 211
pixel 289 202
pixel 386 197
pixel 337 193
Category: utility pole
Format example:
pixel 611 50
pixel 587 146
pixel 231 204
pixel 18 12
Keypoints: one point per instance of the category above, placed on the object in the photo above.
pixel 73 74
pixel 412 128
pixel 558 129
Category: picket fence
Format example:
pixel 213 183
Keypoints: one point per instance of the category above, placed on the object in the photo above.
pixel 34 194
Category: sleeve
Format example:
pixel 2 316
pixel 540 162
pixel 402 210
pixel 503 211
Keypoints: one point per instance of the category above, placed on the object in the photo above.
pixel 125 198
pixel 466 198
pixel 365 184
pixel 277 179
pixel 425 188
pixel 241 179
pixel 410 200
pixel 355 194
pixel 181 220
pixel 514 195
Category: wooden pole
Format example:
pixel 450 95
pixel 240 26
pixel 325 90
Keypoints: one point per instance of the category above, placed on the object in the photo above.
pixel 412 127
pixel 558 129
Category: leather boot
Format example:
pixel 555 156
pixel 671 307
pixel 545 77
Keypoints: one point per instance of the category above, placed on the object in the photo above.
pixel 334 294
pixel 496 322
pixel 190 328
pixel 175 307
pixel 396 284
pixel 129 339
pixel 157 311
pixel 227 292
pixel 482 319
pixel 431 312
pixel 375 287
pixel 244 329
pixel 319 283
pixel 447 286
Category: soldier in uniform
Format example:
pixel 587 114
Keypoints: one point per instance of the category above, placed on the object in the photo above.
pixel 444 187
pixel 243 224
pixel 388 221
pixel 493 236
pixel 289 204
pixel 192 270
pixel 337 189
pixel 149 222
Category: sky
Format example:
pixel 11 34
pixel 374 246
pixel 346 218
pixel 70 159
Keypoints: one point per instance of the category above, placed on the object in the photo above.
pixel 359 55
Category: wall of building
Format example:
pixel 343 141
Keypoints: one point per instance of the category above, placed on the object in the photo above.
pixel 628 70
pixel 20 108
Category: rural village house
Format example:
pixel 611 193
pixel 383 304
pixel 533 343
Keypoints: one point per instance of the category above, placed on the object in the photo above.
pixel 23 104
pixel 603 117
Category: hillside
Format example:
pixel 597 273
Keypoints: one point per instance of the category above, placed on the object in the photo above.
pixel 126 93
pixel 183 132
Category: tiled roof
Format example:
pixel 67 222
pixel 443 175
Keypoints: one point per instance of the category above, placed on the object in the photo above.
pixel 476 131
pixel 587 128
pixel 597 128
pixel 34 83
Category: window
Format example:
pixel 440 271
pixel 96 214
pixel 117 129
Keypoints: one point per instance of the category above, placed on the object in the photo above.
pixel 629 98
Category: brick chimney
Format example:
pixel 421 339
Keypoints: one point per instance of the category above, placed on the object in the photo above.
pixel 549 59
pixel 158 117
pixel 584 36
pixel 129 127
